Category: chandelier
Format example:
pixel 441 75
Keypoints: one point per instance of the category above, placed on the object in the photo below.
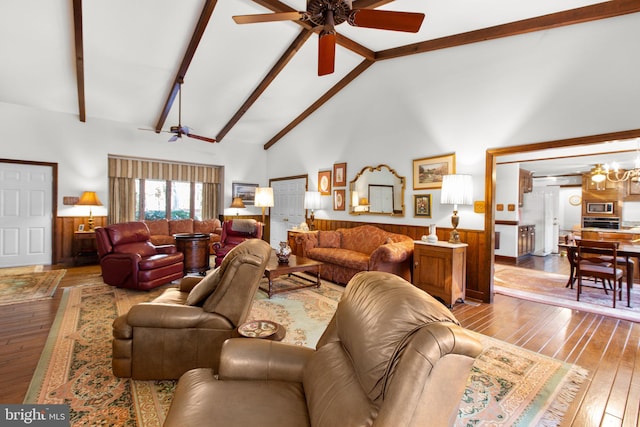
pixel 613 172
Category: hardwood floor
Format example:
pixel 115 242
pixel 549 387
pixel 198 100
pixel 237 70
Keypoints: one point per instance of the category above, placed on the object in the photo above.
pixel 607 347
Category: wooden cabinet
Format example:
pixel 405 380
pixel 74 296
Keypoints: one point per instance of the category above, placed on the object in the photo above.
pixel 525 185
pixel 526 239
pixel 440 269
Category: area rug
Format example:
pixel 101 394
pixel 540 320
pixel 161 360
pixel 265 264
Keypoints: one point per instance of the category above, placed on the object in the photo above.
pixel 507 384
pixel 549 288
pixel 21 284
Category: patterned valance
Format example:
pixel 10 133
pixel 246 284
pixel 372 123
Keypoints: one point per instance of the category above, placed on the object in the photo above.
pixel 122 167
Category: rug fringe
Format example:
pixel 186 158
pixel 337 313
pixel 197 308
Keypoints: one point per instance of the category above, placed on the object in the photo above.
pixel 554 414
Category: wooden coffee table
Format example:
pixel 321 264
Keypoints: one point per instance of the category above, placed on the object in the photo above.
pixel 296 264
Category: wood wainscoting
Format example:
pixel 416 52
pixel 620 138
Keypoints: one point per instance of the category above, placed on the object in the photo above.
pixel 63 236
pixel 475 252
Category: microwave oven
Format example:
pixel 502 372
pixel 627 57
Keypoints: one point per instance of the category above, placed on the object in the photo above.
pixel 600 207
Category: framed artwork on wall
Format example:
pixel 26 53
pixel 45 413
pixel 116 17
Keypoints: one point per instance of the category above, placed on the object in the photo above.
pixel 339 174
pixel 246 192
pixel 428 172
pixel 324 183
pixel 422 205
pixel 338 200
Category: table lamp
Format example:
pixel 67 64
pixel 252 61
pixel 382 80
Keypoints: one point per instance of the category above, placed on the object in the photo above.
pixel 264 199
pixel 312 201
pixel 89 198
pixel 456 190
pixel 237 203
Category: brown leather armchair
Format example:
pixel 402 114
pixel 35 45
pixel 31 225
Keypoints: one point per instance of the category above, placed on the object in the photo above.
pixel 184 328
pixel 128 259
pixel 234 232
pixel 391 356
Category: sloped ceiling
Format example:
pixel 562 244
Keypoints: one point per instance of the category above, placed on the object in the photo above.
pixel 120 60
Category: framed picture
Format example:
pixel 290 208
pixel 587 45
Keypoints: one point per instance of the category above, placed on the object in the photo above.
pixel 338 200
pixel 324 183
pixel 339 174
pixel 428 172
pixel 246 192
pixel 81 227
pixel 422 205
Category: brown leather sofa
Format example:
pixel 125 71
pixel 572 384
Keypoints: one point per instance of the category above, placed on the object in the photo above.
pixel 128 259
pixel 347 251
pixel 184 328
pixel 162 230
pixel 391 356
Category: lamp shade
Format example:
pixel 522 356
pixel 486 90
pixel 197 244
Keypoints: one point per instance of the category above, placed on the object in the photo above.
pixel 89 198
pixel 312 200
pixel 264 197
pixel 237 203
pixel 457 190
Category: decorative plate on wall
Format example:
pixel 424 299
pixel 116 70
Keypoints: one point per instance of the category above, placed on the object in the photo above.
pixel 575 200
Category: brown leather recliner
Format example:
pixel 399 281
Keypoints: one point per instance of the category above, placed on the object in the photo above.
pixel 184 328
pixel 234 232
pixel 128 259
pixel 391 356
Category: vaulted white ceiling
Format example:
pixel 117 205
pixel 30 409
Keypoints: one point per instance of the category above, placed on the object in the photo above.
pixel 132 51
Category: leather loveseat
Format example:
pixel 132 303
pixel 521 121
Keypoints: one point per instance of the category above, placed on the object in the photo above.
pixel 162 230
pixel 347 251
pixel 391 356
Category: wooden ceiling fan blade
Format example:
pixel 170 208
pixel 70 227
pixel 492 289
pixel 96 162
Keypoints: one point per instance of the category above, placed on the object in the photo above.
pixel 268 17
pixel 326 54
pixel 201 138
pixel 409 22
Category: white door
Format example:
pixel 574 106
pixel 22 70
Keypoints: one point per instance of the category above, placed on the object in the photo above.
pixel 25 214
pixel 288 207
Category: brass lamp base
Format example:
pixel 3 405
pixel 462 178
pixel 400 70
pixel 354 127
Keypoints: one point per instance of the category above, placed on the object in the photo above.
pixel 454 237
pixel 312 218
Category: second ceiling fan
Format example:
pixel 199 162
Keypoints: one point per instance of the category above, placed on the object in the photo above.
pixel 329 13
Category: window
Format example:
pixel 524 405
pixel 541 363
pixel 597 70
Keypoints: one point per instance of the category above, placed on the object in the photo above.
pixel 168 199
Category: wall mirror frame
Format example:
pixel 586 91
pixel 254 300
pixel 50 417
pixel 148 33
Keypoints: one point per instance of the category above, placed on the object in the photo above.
pixel 377 191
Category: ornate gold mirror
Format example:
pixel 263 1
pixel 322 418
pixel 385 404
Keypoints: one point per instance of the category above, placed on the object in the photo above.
pixel 377 191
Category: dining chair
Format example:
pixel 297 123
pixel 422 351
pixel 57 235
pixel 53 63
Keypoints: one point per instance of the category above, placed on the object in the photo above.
pixel 589 263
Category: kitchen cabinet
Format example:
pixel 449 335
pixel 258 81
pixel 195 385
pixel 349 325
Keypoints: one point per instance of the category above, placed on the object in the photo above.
pixel 525 185
pixel 440 269
pixel 526 239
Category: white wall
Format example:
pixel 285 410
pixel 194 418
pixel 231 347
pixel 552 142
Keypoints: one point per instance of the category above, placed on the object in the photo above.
pixel 561 83
pixel 81 151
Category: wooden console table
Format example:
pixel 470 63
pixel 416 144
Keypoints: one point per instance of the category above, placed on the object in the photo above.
pixel 440 269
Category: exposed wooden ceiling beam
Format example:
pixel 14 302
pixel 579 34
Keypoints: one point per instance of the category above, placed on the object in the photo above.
pixel 569 17
pixel 323 99
pixel 269 78
pixel 79 48
pixel 207 11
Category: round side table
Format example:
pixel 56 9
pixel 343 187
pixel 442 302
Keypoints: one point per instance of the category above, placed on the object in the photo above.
pixel 195 247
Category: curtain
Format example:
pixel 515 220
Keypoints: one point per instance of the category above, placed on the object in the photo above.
pixel 122 200
pixel 210 200
pixel 123 171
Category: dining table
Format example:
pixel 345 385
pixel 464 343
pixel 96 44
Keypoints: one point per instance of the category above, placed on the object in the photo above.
pixel 626 250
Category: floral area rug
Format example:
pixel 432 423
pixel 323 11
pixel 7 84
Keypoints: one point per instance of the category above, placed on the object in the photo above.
pixel 511 386
pixel 550 288
pixel 508 385
pixel 21 284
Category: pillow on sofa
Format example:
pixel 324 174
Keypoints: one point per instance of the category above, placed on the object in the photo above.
pixel 328 239
pixel 204 288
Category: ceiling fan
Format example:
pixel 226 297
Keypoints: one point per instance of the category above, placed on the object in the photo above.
pixel 180 130
pixel 329 13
